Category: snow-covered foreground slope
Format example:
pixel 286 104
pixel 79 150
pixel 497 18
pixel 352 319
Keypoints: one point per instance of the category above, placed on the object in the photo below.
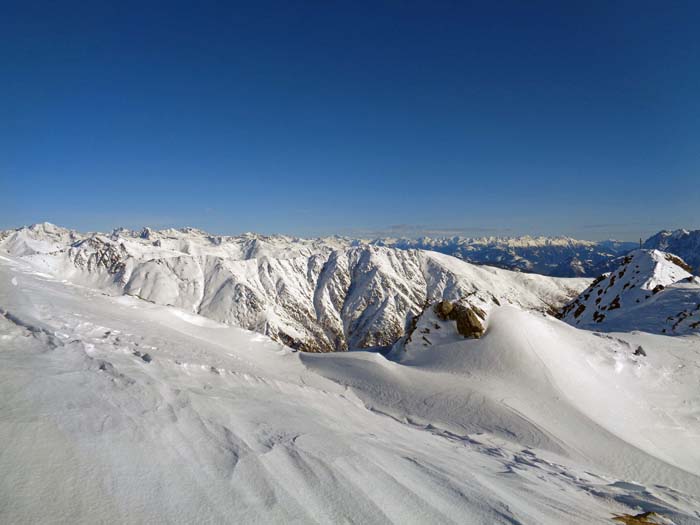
pixel 115 410
pixel 311 295
pixel 650 291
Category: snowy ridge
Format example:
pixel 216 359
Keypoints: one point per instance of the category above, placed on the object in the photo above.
pixel 650 290
pixel 308 294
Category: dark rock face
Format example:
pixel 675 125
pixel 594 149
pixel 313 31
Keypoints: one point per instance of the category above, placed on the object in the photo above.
pixel 97 253
pixel 640 351
pixel 679 262
pixel 469 318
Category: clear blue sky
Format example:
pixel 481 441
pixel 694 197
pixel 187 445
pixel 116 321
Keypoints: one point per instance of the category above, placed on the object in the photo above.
pixel 564 117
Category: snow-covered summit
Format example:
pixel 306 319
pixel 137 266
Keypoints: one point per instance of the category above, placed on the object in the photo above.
pixel 38 238
pixel 650 290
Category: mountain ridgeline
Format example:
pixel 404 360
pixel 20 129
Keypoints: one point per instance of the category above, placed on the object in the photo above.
pixel 335 294
pixel 312 295
pixel 555 256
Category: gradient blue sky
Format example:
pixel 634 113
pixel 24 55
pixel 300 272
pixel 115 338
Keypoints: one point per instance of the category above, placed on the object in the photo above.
pixel 579 118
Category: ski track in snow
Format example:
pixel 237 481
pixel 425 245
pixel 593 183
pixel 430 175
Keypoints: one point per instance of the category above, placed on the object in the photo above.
pixel 115 410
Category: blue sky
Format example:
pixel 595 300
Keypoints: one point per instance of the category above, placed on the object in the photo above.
pixel 578 118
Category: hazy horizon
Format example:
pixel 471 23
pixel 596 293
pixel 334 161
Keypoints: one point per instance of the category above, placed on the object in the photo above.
pixel 394 231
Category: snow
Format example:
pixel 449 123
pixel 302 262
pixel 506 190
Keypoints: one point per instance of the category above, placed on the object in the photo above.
pixel 537 422
pixel 567 389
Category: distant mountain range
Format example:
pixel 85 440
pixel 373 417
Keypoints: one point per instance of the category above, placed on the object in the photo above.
pixel 683 243
pixel 555 256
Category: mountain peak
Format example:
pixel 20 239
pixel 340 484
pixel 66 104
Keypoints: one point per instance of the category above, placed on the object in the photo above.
pixel 650 290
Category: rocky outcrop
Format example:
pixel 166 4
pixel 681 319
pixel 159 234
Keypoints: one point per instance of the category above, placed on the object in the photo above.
pixel 469 318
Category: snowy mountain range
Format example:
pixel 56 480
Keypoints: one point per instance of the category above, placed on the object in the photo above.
pixel 556 256
pixel 336 293
pixel 313 295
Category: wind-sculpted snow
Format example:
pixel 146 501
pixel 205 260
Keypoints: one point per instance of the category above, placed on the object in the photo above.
pixel 117 410
pixel 308 294
pixel 650 290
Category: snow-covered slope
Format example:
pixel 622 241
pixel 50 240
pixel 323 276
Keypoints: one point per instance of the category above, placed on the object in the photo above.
pixel 309 294
pixel 563 382
pixel 533 380
pixel 116 410
pixel 650 290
